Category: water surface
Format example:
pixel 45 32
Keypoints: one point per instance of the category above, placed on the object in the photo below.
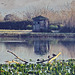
pixel 35 48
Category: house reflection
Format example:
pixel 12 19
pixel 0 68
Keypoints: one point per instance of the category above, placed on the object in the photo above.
pixel 41 47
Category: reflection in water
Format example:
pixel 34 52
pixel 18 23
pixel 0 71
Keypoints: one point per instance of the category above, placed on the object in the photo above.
pixel 17 45
pixel 41 47
pixel 70 45
pixel 36 49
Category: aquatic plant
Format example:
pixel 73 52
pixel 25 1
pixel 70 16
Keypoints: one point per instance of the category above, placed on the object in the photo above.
pixel 52 67
pixel 59 67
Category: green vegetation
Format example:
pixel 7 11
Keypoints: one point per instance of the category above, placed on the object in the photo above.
pixel 53 27
pixel 55 68
pixel 61 25
pixel 29 27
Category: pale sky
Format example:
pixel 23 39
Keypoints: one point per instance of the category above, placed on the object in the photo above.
pixel 10 6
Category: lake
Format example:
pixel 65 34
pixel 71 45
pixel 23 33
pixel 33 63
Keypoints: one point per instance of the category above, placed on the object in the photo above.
pixel 36 48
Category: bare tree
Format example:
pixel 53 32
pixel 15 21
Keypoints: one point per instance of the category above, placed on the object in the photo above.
pixel 66 17
pixel 72 21
pixel 1 17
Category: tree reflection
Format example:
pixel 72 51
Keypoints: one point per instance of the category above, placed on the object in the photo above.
pixel 70 45
pixel 41 47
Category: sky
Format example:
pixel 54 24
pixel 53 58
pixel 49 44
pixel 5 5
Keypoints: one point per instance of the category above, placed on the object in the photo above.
pixel 18 6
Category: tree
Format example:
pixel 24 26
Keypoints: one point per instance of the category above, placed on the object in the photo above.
pixel 72 21
pixel 11 17
pixel 1 18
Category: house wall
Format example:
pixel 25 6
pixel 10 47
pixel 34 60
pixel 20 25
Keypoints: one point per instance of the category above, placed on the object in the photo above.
pixel 36 26
pixel 47 23
pixel 40 25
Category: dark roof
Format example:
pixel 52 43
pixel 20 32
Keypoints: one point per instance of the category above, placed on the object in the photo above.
pixel 39 18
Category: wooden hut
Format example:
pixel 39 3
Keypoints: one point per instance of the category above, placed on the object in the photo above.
pixel 40 24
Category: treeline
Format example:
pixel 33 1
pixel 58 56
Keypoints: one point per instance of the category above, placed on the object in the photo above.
pixel 19 25
pixel 66 29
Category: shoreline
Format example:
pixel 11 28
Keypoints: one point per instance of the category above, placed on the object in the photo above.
pixel 29 33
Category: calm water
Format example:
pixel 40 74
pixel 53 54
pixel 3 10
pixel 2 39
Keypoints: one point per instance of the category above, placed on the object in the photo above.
pixel 35 48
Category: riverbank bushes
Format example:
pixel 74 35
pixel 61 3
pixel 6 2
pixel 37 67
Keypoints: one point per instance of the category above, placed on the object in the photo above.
pixel 27 25
pixel 66 29
pixel 55 68
pixel 19 25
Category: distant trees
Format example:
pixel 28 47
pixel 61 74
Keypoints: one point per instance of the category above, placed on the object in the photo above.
pixel 72 20
pixel 1 17
pixel 66 16
pixel 11 17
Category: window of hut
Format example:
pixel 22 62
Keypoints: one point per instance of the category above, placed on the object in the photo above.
pixel 38 22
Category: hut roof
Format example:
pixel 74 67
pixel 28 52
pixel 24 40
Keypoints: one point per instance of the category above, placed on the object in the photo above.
pixel 39 18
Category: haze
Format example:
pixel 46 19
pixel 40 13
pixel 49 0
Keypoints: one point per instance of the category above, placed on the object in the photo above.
pixel 9 6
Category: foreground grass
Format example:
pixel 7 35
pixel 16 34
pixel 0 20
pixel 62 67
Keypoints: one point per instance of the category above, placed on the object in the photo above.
pixel 56 68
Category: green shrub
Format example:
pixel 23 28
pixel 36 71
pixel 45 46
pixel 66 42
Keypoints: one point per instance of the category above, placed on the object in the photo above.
pixel 53 27
pixel 61 25
pixel 29 27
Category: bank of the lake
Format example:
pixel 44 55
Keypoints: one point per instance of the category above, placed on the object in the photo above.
pixel 29 33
